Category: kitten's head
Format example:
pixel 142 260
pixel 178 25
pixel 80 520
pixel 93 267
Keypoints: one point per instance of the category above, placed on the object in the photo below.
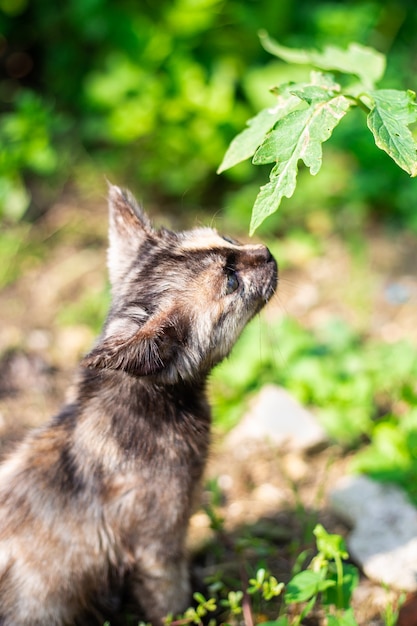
pixel 180 300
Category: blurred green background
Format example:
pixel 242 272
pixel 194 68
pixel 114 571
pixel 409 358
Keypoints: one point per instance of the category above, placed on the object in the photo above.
pixel 150 94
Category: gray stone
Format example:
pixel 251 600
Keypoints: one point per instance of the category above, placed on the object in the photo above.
pixel 277 418
pixel 384 536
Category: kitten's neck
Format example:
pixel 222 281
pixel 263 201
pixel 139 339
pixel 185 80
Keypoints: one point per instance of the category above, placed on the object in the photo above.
pixel 110 387
pixel 141 412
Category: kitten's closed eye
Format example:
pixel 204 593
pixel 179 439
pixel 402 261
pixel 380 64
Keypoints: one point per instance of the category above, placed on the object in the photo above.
pixel 232 282
pixel 230 240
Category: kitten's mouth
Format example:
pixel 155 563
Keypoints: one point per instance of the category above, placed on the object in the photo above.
pixel 274 280
pixel 269 282
pixel 272 283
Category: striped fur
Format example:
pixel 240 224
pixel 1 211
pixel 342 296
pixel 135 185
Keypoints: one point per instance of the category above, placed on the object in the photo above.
pixel 94 506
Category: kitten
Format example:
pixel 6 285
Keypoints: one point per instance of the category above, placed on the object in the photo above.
pixel 95 505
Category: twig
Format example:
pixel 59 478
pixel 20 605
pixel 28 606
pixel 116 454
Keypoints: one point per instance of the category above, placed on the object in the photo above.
pixel 246 602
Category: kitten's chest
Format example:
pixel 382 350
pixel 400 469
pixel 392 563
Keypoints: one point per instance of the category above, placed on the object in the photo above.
pixel 162 438
pixel 152 502
pixel 162 429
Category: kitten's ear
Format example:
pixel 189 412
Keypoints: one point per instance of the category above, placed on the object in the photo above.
pixel 128 228
pixel 139 351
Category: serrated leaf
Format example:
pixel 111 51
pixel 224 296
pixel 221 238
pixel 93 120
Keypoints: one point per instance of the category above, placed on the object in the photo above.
pixel 245 144
pixel 392 113
pixel 297 136
pixel 314 93
pixel 366 63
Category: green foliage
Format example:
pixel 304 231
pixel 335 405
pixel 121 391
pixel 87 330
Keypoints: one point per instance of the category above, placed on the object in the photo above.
pixel 233 602
pixel 328 580
pixel 346 378
pixel 391 612
pixel 367 64
pixel 305 115
pixel 391 456
pixel 331 554
pixel 194 615
pixel 25 145
pixel 328 576
pixel 360 389
pixel 143 93
pixel 391 113
pixel 151 95
pixel 267 586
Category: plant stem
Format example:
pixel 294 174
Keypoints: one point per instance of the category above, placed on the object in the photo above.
pixel 339 570
pixel 246 602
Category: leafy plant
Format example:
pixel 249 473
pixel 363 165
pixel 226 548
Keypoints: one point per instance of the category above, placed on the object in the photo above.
pixel 26 145
pixel 152 94
pixel 327 577
pixel 347 379
pixel 327 580
pixel 391 456
pixel 269 587
pixel 306 113
pixel 195 614
pixel 124 81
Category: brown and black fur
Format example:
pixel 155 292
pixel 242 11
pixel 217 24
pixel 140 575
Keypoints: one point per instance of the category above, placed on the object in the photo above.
pixel 95 505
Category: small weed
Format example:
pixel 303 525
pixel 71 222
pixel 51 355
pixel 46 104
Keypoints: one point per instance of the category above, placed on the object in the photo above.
pixel 362 390
pixel 324 587
pixel 392 610
pixel 195 615
pixel 328 581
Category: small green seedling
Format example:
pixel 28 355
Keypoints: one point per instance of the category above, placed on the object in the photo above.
pixel 195 615
pixel 233 602
pixel 329 578
pixel 328 581
pixel 268 586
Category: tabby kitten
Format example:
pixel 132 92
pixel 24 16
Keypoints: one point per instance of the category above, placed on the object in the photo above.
pixel 94 506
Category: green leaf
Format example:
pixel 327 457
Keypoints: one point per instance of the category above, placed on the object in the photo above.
pixel 340 593
pixel 331 546
pixel 361 61
pixel 346 619
pixel 386 455
pixel 198 597
pixel 306 585
pixel 392 112
pixel 245 144
pixel 297 136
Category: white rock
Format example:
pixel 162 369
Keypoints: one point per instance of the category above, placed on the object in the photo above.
pixel 276 417
pixel 384 538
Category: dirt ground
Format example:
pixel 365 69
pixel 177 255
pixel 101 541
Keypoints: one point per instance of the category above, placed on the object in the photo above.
pixel 270 502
